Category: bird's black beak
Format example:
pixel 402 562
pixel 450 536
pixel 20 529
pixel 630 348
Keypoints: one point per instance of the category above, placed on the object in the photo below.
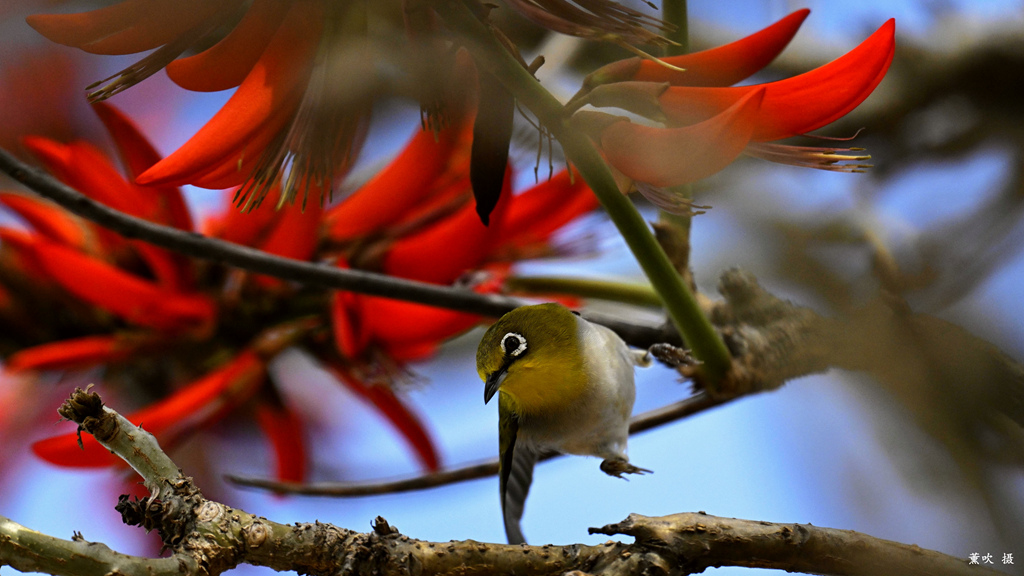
pixel 494 380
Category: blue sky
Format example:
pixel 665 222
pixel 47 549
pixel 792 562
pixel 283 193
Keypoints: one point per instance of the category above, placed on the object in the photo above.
pixel 831 449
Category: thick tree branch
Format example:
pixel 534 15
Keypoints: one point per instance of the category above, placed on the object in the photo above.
pixel 206 538
pixel 693 542
pixel 26 550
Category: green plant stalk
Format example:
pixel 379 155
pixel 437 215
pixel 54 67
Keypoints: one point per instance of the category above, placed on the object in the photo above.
pixel 679 302
pixel 674 12
pixel 637 294
pixel 681 221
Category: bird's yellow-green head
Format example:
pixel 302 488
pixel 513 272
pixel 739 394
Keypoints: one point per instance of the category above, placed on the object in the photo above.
pixel 533 356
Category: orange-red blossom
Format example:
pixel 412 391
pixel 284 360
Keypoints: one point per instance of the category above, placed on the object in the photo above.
pixel 130 303
pixel 707 123
pixel 276 53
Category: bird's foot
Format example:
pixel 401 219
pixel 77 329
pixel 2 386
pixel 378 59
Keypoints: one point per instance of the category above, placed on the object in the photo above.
pixel 671 356
pixel 619 467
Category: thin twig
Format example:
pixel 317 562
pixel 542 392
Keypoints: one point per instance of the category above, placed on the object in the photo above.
pixel 643 422
pixel 199 246
pixel 134 445
pixel 314 274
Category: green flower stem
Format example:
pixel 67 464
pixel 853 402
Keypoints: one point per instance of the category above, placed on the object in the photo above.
pixel 681 221
pixel 637 294
pixel 674 12
pixel 679 302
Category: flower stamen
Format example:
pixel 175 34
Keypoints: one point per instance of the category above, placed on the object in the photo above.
pixel 821 158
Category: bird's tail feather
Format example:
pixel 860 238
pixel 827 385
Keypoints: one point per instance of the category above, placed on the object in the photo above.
pixel 516 489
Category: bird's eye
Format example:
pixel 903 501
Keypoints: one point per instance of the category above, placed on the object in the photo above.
pixel 513 344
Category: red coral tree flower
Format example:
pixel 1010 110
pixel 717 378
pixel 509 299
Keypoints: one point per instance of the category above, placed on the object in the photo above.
pixel 284 115
pixel 133 304
pixel 707 124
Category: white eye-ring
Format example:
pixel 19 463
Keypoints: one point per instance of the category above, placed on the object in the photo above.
pixel 513 344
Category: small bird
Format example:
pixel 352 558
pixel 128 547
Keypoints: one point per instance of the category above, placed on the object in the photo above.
pixel 566 385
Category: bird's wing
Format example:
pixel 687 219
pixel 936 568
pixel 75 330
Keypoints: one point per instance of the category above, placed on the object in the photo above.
pixel 516 473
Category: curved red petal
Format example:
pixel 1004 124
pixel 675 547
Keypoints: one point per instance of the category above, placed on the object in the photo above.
pixel 132 298
pixel 128 27
pixel 413 331
pixel 245 228
pixel 83 167
pixel 199 403
pixel 55 156
pixel 349 336
pixel 446 197
pixel 96 176
pixel 170 270
pixel 164 22
pixel 64 450
pixel 540 211
pixel 22 246
pixel 263 103
pixel 674 156
pixel 137 155
pixel 728 64
pixel 88 170
pixel 205 400
pixel 295 234
pixel 395 322
pixel 226 64
pixel 285 431
pixel 84 27
pixel 449 247
pixel 395 189
pixel 239 165
pixel 412 352
pixel 47 219
pixel 800 104
pixel 243 169
pixel 401 417
pixel 73 354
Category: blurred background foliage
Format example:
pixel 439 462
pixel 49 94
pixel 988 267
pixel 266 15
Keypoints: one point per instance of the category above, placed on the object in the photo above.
pixel 924 452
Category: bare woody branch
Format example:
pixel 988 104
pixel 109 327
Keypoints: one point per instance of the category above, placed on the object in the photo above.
pixel 207 538
pixel 133 444
pixel 693 542
pixel 26 550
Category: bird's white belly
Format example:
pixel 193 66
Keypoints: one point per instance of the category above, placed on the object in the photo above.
pixel 596 424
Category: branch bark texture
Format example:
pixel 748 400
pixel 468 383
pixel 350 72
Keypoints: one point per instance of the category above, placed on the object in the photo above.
pixel 208 538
